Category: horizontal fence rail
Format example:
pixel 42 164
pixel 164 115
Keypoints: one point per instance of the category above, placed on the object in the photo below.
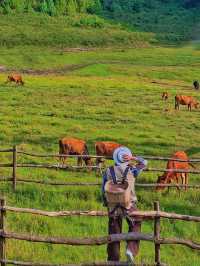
pixel 71 167
pixel 96 167
pixel 55 166
pixel 55 214
pixel 6 150
pixel 156 158
pixel 114 263
pixel 97 241
pixel 51 183
pixel 143 214
pixel 146 214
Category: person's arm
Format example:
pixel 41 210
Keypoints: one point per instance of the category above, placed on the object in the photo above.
pixel 138 168
pixel 105 179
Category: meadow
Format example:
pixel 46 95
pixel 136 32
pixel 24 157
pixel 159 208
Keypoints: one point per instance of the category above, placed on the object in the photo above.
pixel 109 95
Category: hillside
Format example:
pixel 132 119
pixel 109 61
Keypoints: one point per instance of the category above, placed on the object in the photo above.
pixel 166 18
pixel 82 30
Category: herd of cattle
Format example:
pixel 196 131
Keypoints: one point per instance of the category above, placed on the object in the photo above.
pixel 179 99
pixel 72 146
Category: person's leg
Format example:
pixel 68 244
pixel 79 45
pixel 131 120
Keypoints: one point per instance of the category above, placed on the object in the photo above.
pixel 134 226
pixel 115 227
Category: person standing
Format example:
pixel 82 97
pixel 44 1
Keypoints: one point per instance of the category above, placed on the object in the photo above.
pixel 120 172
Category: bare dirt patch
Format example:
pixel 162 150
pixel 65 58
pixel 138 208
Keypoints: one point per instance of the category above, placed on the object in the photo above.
pixel 53 71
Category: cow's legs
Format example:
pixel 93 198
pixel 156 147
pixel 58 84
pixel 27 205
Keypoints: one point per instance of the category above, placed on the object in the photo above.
pixel 63 160
pixel 176 106
pixel 177 175
pixel 186 180
pixel 98 165
pixel 80 161
pixel 189 107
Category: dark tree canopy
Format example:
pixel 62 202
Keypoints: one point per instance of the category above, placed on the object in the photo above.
pixel 191 3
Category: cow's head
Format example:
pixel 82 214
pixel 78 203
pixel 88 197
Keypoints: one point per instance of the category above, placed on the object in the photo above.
pixel 165 95
pixel 161 180
pixel 196 105
pixel 88 161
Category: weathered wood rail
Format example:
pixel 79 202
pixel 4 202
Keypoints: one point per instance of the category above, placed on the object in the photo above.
pixel 156 158
pixel 14 165
pixel 82 264
pixel 154 237
pixel 51 183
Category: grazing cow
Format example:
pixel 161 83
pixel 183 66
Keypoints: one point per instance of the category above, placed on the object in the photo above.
pixel 105 148
pixel 71 146
pixel 165 96
pixel 169 177
pixel 196 85
pixel 15 78
pixel 185 100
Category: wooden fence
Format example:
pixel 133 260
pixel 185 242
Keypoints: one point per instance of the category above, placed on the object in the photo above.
pixel 154 237
pixel 14 165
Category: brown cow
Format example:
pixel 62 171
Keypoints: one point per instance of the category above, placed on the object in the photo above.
pixel 15 78
pixel 165 96
pixel 72 146
pixel 169 177
pixel 105 148
pixel 185 100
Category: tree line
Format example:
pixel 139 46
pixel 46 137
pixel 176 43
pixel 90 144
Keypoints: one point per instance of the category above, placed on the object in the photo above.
pixel 51 7
pixel 70 7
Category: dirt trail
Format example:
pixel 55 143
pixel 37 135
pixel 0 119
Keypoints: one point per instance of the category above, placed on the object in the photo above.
pixel 170 84
pixel 70 68
pixel 39 72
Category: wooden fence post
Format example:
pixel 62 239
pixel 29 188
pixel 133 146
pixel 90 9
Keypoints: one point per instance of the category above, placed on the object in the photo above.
pixel 157 234
pixel 14 167
pixel 2 227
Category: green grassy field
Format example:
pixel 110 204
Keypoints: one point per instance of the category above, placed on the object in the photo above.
pixel 110 96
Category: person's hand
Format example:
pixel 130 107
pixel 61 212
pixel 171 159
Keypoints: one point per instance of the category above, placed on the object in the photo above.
pixel 127 157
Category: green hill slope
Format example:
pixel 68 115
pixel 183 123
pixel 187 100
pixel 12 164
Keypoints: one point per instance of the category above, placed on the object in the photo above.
pixel 80 30
pixel 172 21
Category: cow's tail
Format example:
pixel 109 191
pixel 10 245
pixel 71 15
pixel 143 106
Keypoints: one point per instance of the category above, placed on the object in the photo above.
pixel 176 102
